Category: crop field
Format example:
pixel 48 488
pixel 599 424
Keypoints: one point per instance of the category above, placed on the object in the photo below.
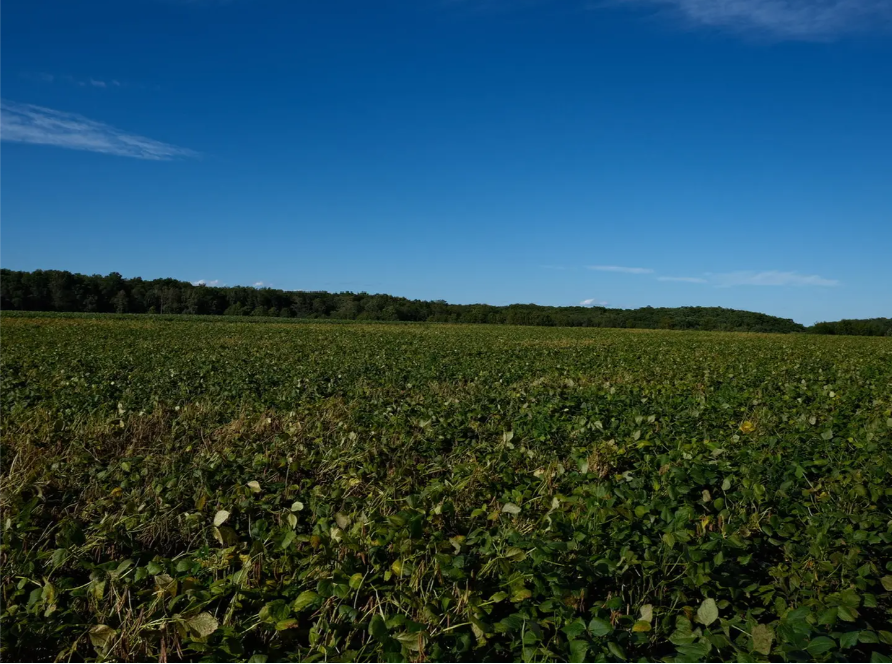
pixel 231 491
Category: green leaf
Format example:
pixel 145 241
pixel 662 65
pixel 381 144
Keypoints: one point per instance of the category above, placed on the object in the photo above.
pixel 708 612
pixel 641 626
pixel 297 506
pixel 304 600
pixel 498 597
pixel 377 627
pixel 599 627
pixel 763 636
pixel 887 582
pixel 849 639
pixel 578 650
pixel 287 539
pixel 617 650
pixel 847 613
pixel 204 624
pixel 820 645
pixel 356 581
pixel 693 652
pixel 574 629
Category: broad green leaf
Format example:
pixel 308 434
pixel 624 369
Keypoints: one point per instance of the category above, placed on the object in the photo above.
pixel 578 650
pixel 377 627
pixel 303 600
pixel 575 628
pixel 599 627
pixel 849 639
pixel 708 612
pixel 820 645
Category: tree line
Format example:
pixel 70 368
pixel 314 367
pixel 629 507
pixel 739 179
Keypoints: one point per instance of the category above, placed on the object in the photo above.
pixel 62 291
pixel 867 327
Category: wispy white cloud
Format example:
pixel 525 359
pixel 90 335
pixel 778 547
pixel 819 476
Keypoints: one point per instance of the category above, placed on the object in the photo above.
pixel 212 282
pixel 619 268
pixel 83 82
pixel 592 302
pixel 687 280
pixel 39 76
pixel 788 19
pixel 26 123
pixel 258 284
pixel 770 278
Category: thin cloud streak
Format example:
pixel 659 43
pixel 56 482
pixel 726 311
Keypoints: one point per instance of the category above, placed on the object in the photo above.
pixel 26 123
pixel 806 20
pixel 771 278
pixel 687 280
pixel 592 302
pixel 619 268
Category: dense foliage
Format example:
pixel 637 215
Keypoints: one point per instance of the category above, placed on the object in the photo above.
pixel 53 290
pixel 179 490
pixel 868 327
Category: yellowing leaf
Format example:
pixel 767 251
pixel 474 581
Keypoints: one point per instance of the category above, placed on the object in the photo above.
pixel 647 613
pixel 101 636
pixel 762 638
pixel 641 626
pixel 203 625
pixel 511 508
pixel 254 485
pixel 747 427
pixel 220 518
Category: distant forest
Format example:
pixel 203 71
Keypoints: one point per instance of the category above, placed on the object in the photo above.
pixel 867 327
pixel 55 290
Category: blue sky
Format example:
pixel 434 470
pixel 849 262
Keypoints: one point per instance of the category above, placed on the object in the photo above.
pixel 635 152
